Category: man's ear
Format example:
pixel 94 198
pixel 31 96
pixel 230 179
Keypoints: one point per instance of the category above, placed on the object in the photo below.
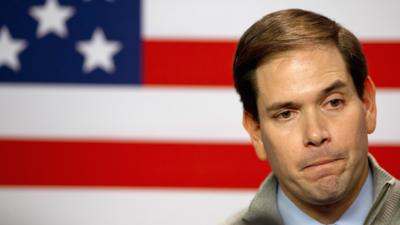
pixel 253 129
pixel 369 104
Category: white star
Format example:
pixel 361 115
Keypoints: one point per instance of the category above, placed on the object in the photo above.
pixel 52 18
pixel 9 49
pixel 98 52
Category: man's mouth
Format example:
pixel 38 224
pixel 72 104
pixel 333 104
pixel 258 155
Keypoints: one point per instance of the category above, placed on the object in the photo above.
pixel 321 162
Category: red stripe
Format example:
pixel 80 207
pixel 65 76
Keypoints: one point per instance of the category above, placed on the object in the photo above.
pixel 141 164
pixel 383 63
pixel 188 62
pixel 210 63
pixel 128 164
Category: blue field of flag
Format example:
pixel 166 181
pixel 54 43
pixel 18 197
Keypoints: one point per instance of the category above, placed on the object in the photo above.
pixel 70 41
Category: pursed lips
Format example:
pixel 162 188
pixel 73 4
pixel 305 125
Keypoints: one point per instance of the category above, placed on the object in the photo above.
pixel 321 162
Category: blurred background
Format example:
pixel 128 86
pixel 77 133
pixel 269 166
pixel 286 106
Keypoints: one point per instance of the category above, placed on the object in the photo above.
pixel 123 112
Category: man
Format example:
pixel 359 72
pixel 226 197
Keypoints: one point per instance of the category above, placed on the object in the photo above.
pixel 309 106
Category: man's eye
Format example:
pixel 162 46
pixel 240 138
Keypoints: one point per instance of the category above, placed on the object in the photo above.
pixel 335 103
pixel 285 115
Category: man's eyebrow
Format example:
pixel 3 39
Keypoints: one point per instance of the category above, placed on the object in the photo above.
pixel 280 105
pixel 338 84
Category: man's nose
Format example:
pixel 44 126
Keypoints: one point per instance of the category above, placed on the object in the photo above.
pixel 315 129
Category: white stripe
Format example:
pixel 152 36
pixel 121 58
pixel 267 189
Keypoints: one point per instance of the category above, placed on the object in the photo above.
pixel 222 19
pixel 118 207
pixel 180 114
pixel 388 121
pixel 79 112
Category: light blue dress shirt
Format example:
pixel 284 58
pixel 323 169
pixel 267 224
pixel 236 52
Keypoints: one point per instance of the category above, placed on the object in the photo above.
pixel 355 215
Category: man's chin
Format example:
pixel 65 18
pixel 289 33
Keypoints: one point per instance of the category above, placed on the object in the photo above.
pixel 327 200
pixel 327 197
pixel 327 191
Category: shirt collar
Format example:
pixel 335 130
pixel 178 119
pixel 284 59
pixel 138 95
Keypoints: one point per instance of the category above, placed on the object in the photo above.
pixel 355 215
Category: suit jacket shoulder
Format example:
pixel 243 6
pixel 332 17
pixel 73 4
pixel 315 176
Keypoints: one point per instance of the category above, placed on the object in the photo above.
pixel 385 210
pixel 262 209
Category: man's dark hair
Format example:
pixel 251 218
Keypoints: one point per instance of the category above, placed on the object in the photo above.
pixel 287 30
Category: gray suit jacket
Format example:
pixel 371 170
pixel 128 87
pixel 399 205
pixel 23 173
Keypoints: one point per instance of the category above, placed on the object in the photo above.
pixel 385 210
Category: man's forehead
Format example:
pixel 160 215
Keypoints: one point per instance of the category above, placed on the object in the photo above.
pixel 300 71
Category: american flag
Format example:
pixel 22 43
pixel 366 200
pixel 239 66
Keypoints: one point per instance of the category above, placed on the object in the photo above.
pixel 123 112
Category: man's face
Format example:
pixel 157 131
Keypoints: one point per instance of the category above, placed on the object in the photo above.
pixel 313 126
